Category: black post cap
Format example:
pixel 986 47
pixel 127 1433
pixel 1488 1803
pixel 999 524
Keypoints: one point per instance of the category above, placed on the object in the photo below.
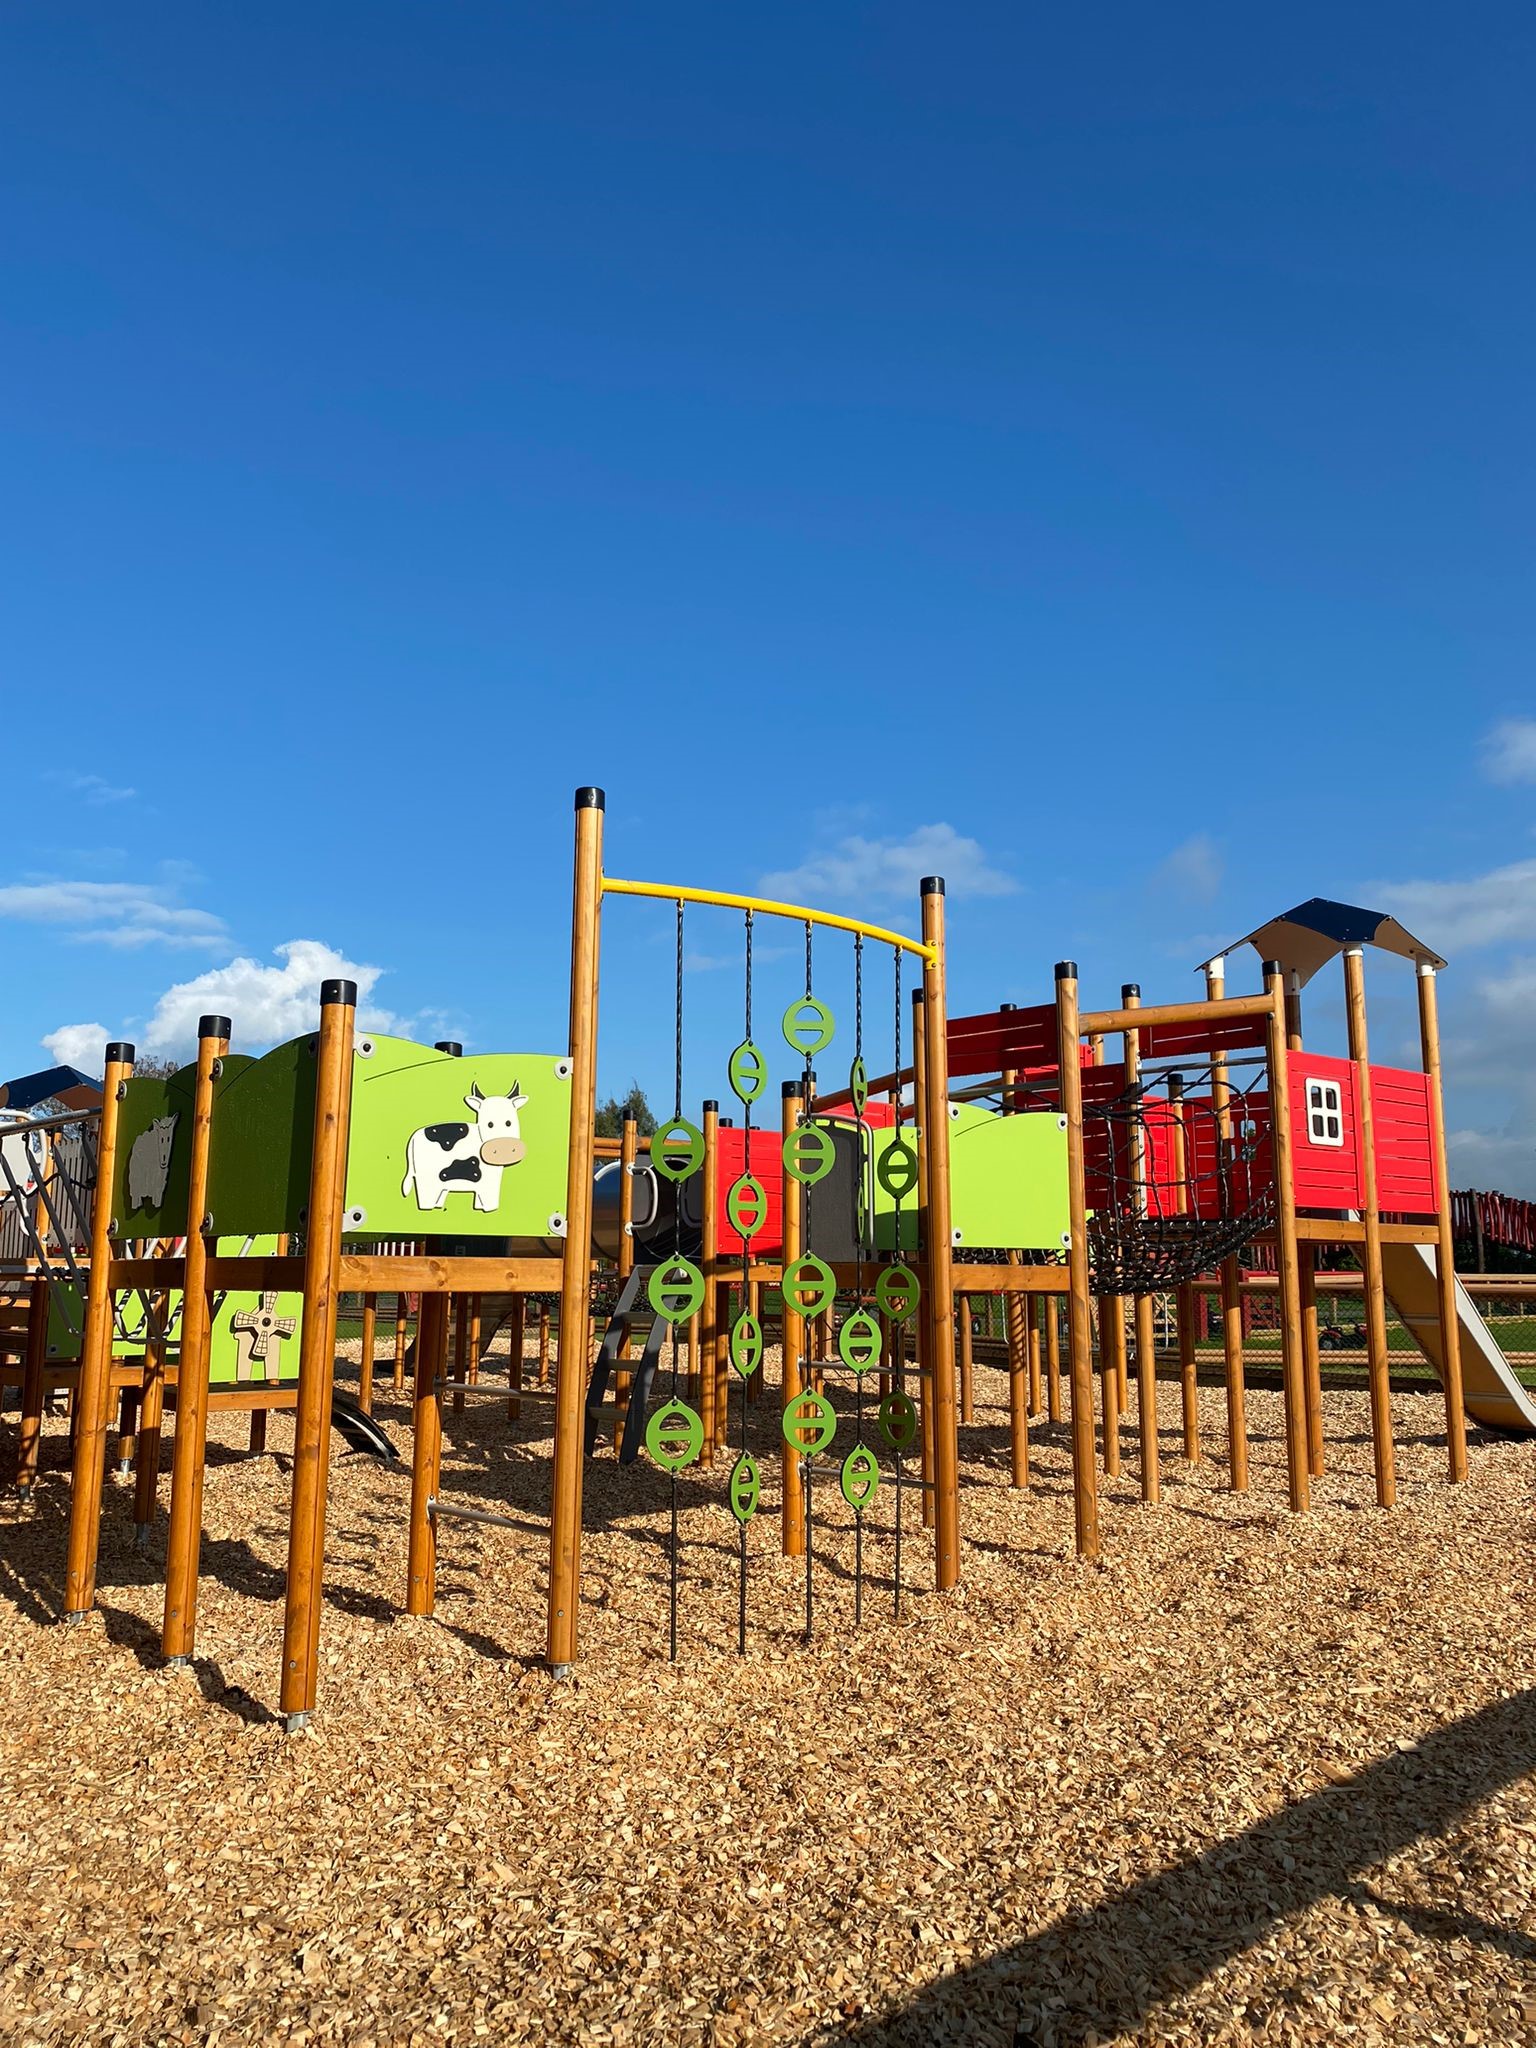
pixel 629 1117
pixel 591 800
pixel 727 1123
pixel 332 992
pixel 120 1053
pixel 931 885
pixel 1007 1006
pixel 213 1027
pixel 1128 989
pixel 1175 1084
pixel 710 1104
pixel 451 1046
pixel 1066 970
pixel 917 996
pixel 1270 967
pixel 791 1091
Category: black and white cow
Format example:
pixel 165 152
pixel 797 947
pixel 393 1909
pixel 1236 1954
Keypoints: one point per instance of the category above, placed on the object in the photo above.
pixel 446 1159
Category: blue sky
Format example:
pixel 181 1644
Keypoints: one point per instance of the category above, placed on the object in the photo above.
pixel 1091 453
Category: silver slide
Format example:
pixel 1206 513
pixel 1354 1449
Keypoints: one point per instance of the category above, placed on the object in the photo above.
pixel 1490 1391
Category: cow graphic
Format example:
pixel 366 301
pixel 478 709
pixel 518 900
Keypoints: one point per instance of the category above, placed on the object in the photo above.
pixel 447 1159
pixel 149 1164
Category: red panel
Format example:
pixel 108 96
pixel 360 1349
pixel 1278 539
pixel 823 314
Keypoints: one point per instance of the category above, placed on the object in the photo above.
pixel 1248 1179
pixel 1405 1168
pixel 996 1039
pixel 767 1167
pixel 1221 1034
pixel 1326 1176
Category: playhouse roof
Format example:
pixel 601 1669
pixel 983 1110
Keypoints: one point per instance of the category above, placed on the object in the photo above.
pixel 1308 937
pixel 64 1084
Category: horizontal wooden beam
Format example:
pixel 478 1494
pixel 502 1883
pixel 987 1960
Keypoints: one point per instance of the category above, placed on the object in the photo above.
pixel 1092 1022
pixel 362 1273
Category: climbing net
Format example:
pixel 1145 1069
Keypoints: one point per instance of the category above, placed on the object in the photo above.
pixel 1179 1177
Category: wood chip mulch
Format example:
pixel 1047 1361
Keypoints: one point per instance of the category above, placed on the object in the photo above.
pixel 1255 1777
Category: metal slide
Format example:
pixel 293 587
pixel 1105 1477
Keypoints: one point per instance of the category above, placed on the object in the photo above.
pixel 1491 1393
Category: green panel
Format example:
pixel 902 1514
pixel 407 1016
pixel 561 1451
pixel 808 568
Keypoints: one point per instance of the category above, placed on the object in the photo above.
pixel 476 1146
pixel 154 1148
pixel 1008 1180
pixel 885 1201
pixel 263 1123
pixel 255 1337
pixel 1007 1183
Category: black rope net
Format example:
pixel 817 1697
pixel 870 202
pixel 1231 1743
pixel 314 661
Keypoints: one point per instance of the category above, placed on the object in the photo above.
pixel 1179 1177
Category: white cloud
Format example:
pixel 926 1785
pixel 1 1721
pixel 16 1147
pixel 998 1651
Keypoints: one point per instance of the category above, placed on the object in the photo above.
pixel 78 1045
pixel 855 870
pixel 94 789
pixel 1486 910
pixel 1194 868
pixel 121 914
pixel 265 1005
pixel 1509 750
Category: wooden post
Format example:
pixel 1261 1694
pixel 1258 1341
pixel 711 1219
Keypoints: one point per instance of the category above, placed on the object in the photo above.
pixel 1085 1499
pixel 317 1352
pixel 543 1343
pixel 1291 1364
pixel 402 1325
pixel 517 1324
pixel 967 1360
pixel 1375 1290
pixel 426 1454
pixel 189 1444
pixel 1231 1268
pixel 941 1299
pixel 1184 1301
pixel 1111 1376
pixel 792 1342
pixel 923 1331
pixel 1033 1314
pixel 576 1276
pixel 365 1357
pixel 1052 1358
pixel 629 1148
pixel 1311 1356
pixel 1445 1249
pixel 94 1391
pixel 458 1315
pixel 33 1367
pixel 709 1266
pixel 1146 1336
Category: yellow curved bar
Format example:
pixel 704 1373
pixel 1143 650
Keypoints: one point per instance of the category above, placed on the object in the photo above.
pixel 800 912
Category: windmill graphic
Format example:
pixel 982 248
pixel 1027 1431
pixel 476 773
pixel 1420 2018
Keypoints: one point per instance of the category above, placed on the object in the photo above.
pixel 260 1334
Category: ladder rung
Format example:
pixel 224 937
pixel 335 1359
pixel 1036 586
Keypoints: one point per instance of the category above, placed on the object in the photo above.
pixel 436 1507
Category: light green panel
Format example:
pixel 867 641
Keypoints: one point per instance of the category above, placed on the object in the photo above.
pixel 263 1123
pixel 473 1147
pixel 1008 1179
pixel 255 1337
pixel 149 1181
pixel 1007 1182
pixel 885 1204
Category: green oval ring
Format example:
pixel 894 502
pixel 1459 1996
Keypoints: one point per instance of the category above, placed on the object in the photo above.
pixel 809 1276
pixel 746 1344
pixel 809 1154
pixel 747 1206
pixel 859 1477
pixel 897 1292
pixel 748 1071
pixel 859 1342
pixel 678 1165
pixel 898 1420
pixel 897 1184
pixel 675 1290
pixel 746 1487
pixel 674 1436
pixel 858 1086
pixel 809 1423
pixel 801 1033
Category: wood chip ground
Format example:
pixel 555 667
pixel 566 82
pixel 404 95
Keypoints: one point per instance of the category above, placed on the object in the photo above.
pixel 1256 1777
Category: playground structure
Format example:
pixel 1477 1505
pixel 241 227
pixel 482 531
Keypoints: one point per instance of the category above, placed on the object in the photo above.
pixel 1005 1155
